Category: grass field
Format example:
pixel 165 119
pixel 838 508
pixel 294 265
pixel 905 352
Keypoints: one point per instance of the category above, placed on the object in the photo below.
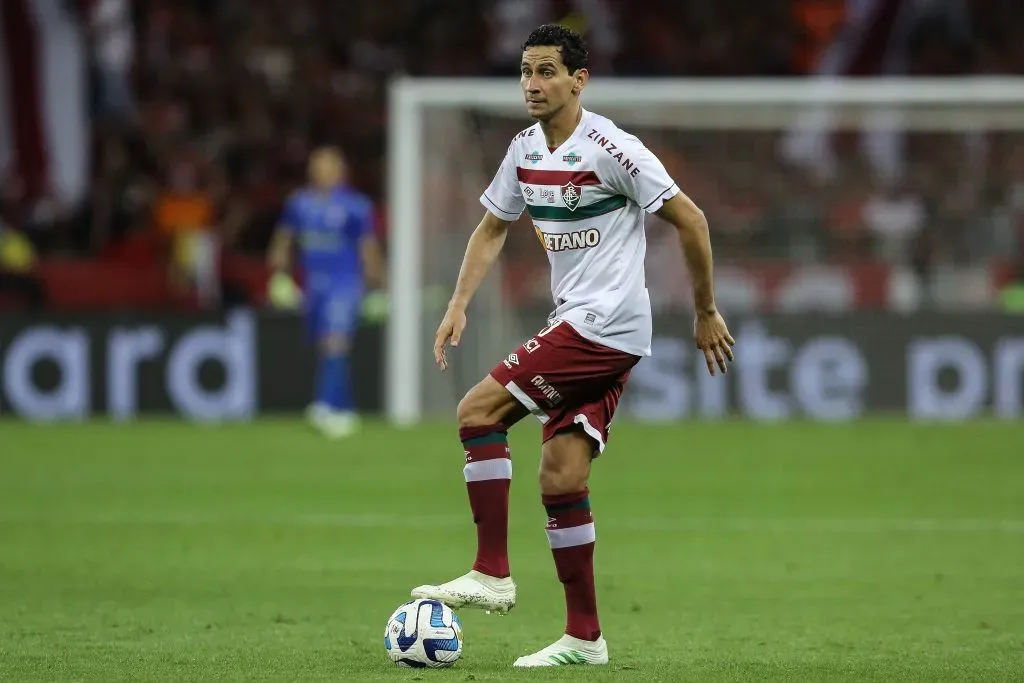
pixel 161 551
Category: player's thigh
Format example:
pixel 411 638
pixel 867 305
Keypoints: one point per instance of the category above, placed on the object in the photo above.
pixel 314 319
pixel 589 421
pixel 558 370
pixel 339 316
pixel 487 403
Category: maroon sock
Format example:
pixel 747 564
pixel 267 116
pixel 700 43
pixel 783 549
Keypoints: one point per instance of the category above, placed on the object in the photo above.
pixel 570 532
pixel 488 473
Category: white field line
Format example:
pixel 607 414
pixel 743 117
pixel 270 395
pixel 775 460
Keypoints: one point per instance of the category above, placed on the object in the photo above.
pixel 842 525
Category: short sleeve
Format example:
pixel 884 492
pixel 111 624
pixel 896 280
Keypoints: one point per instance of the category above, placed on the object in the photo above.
pixel 503 197
pixel 641 176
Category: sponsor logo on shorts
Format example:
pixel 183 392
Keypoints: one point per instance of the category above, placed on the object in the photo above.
pixel 565 241
pixel 549 392
pixel 590 319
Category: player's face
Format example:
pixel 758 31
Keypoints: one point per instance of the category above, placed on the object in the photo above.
pixel 325 168
pixel 547 84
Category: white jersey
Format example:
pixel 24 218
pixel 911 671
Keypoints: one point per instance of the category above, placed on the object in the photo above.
pixel 587 201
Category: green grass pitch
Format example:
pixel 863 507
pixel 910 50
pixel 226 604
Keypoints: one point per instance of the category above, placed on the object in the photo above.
pixel 167 552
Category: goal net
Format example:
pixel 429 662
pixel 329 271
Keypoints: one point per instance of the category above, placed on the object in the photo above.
pixel 821 195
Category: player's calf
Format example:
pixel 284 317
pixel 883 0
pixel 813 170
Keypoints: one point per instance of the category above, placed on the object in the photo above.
pixel 488 471
pixel 565 468
pixel 488 474
pixel 335 345
pixel 334 410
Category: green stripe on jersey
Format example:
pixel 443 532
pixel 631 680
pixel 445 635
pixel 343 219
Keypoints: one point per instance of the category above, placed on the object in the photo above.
pixel 560 213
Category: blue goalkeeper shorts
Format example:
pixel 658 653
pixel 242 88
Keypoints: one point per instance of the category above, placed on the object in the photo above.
pixel 333 312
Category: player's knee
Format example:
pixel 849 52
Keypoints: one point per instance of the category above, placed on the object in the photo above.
pixel 485 404
pixel 559 478
pixel 473 411
pixel 334 345
pixel 565 464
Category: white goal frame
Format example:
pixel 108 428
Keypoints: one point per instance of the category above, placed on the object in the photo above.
pixel 406 348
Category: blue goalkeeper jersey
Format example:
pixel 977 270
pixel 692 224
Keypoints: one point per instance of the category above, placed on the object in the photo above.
pixel 329 227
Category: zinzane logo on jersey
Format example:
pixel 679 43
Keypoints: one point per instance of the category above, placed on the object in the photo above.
pixel 564 241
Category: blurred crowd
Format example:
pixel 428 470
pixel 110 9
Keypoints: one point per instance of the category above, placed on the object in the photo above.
pixel 202 112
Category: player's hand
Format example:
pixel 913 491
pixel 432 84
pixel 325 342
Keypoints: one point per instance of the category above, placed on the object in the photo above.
pixel 449 331
pixel 713 338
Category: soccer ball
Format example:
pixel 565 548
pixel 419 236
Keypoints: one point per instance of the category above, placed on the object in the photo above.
pixel 422 634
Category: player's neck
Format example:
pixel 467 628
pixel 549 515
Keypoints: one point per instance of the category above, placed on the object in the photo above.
pixel 558 129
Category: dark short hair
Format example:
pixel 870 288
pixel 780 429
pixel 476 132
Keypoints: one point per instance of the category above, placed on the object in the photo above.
pixel 569 43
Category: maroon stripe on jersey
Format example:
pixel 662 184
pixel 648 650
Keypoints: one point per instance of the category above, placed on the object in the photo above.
pixel 537 177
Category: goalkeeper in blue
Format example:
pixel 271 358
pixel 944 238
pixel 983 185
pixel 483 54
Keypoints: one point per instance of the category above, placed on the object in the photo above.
pixel 331 225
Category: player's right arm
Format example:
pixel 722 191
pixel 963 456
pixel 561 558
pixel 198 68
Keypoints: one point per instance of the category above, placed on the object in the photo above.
pixel 278 256
pixel 281 288
pixel 504 202
pixel 279 253
pixel 484 246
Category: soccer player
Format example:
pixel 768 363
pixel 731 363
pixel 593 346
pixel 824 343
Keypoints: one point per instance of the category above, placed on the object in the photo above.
pixel 332 224
pixel 585 184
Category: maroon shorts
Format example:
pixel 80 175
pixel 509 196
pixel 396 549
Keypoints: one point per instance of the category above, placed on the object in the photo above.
pixel 567 381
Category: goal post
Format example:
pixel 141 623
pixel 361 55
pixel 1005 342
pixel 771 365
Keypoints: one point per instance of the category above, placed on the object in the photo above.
pixel 447 135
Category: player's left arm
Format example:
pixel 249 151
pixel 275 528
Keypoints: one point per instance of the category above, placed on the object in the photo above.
pixel 369 249
pixel 695 237
pixel 279 253
pixel 709 330
pixel 652 188
pixel 373 261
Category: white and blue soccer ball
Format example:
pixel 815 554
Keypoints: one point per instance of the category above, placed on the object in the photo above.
pixel 423 634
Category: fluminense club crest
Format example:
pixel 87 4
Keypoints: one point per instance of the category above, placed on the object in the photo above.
pixel 571 196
